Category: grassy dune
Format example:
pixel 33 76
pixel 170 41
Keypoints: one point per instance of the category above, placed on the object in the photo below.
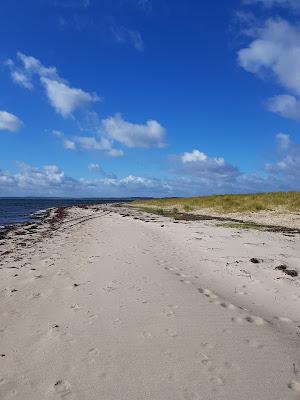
pixel 289 201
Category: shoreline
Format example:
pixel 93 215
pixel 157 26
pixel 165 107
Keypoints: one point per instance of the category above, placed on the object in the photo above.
pixel 110 302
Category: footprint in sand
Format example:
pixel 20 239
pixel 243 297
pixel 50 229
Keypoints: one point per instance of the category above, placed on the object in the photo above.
pixel 217 380
pixel 93 351
pixel 186 281
pixel 172 333
pixel 207 345
pixel 207 293
pixel 283 319
pixel 254 343
pixel 258 321
pixel 168 313
pixel 225 305
pixel 63 388
pixel 36 295
pixel 92 318
pixel 295 386
pixel 188 395
pixel 147 335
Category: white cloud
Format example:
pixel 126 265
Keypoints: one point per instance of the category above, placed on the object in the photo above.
pixel 123 35
pixel 9 122
pixel 206 170
pixel 36 181
pixel 285 105
pixel 284 141
pixel 94 167
pixel 115 153
pixel 275 50
pixel 195 155
pixel 293 4
pixel 33 66
pixel 91 143
pixel 102 144
pixel 150 134
pixel 287 167
pixel 69 144
pixel 206 175
pixel 65 99
pixel 21 79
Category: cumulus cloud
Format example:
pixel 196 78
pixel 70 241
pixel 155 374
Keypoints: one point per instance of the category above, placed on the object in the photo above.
pixel 285 105
pixel 52 180
pixel 150 134
pixel 64 98
pixel 204 170
pixel 275 50
pixel 9 122
pixel 67 143
pixel 102 144
pixel 195 156
pixel 193 173
pixel 287 167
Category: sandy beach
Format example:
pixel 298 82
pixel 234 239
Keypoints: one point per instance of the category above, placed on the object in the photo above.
pixel 107 302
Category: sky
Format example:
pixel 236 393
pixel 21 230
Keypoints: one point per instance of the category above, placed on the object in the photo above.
pixel 114 98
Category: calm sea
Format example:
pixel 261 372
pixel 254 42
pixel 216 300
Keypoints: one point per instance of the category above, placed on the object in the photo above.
pixel 18 210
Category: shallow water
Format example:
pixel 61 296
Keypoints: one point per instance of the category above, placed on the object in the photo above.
pixel 18 210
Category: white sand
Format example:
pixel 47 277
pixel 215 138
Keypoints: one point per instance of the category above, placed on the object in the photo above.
pixel 172 312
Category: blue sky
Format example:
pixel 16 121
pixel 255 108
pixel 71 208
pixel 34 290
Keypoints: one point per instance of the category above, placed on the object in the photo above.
pixel 149 97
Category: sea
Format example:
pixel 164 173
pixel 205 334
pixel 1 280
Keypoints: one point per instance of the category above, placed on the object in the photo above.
pixel 15 211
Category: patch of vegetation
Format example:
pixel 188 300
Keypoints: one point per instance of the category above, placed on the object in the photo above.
pixel 229 203
pixel 242 225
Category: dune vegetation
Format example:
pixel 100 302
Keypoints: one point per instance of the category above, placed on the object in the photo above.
pixel 289 201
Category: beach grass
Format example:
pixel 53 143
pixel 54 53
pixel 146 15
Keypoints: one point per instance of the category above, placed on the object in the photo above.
pixel 229 203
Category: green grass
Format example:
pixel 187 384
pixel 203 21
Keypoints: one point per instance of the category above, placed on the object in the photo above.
pixel 289 201
pixel 242 225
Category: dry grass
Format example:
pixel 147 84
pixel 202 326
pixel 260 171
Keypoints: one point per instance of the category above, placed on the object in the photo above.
pixel 289 201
